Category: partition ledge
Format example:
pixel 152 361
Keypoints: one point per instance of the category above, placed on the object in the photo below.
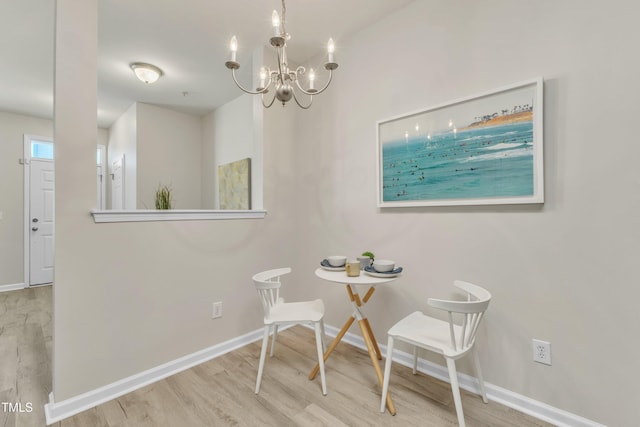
pixel 100 216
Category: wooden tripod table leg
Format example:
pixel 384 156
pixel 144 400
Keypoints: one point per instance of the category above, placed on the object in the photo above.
pixel 373 338
pixel 374 360
pixel 333 346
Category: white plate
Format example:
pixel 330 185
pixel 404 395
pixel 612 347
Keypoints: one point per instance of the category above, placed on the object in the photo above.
pixel 371 272
pixel 383 275
pixel 333 268
pixel 325 266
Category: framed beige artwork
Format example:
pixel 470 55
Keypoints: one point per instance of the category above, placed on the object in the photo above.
pixel 235 185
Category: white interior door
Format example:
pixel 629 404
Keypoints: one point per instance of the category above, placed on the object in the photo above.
pixel 117 183
pixel 100 177
pixel 100 191
pixel 41 225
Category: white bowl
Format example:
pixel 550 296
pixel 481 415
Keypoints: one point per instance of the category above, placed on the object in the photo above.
pixel 337 260
pixel 383 265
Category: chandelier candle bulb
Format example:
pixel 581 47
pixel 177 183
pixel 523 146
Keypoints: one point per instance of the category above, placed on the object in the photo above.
pixel 331 47
pixel 233 46
pixel 263 77
pixel 312 78
pixel 275 21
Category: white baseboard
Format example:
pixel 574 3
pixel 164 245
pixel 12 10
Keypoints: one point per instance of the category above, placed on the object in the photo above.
pixel 57 411
pixel 13 287
pixel 497 394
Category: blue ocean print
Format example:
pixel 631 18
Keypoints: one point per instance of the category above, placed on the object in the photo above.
pixel 476 162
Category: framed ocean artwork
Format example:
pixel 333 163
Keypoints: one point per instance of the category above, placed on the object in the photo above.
pixel 481 150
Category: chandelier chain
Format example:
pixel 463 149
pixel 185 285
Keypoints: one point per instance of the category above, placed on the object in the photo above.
pixel 284 12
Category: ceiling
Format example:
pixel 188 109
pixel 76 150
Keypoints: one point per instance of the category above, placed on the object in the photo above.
pixel 187 39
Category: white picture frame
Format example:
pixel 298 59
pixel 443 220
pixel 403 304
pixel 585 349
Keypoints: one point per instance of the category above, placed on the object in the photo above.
pixel 480 150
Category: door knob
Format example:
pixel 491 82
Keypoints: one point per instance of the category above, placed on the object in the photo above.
pixel 34 220
pixel 34 228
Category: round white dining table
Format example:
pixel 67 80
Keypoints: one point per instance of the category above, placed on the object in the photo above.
pixel 340 277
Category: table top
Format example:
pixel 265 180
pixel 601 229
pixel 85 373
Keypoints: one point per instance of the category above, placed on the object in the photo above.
pixel 362 279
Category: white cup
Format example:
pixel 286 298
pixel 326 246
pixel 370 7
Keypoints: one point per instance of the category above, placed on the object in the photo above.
pixel 337 260
pixel 383 265
pixel 365 261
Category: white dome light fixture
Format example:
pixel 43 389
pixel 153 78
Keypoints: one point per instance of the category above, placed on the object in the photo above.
pixel 147 73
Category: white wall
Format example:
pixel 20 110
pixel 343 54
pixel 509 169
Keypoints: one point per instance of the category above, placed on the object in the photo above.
pixel 12 130
pixel 123 140
pixel 240 122
pixel 141 296
pixel 228 137
pixel 564 271
pixel 207 163
pixel 161 146
pixel 169 147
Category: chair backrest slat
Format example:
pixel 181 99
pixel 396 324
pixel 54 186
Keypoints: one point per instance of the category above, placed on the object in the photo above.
pixel 267 284
pixel 463 334
pixel 472 311
pixel 452 332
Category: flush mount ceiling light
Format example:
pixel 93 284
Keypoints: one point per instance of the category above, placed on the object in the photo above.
pixel 283 78
pixel 147 73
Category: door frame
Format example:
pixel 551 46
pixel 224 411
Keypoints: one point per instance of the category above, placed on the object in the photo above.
pixel 26 161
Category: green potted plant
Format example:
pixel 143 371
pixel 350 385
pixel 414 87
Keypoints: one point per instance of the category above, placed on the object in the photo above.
pixel 164 198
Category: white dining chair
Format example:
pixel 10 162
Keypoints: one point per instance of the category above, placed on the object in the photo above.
pixel 279 313
pixel 451 340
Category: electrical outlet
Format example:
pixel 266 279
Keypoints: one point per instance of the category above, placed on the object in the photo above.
pixel 217 310
pixel 542 352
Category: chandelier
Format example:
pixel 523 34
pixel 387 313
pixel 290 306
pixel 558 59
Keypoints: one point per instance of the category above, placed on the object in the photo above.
pixel 283 79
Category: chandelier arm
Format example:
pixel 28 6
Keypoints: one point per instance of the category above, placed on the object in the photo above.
pixel 300 105
pixel 316 92
pixel 271 103
pixel 259 92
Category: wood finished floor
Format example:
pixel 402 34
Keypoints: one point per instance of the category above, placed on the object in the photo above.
pixel 221 392
pixel 25 354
